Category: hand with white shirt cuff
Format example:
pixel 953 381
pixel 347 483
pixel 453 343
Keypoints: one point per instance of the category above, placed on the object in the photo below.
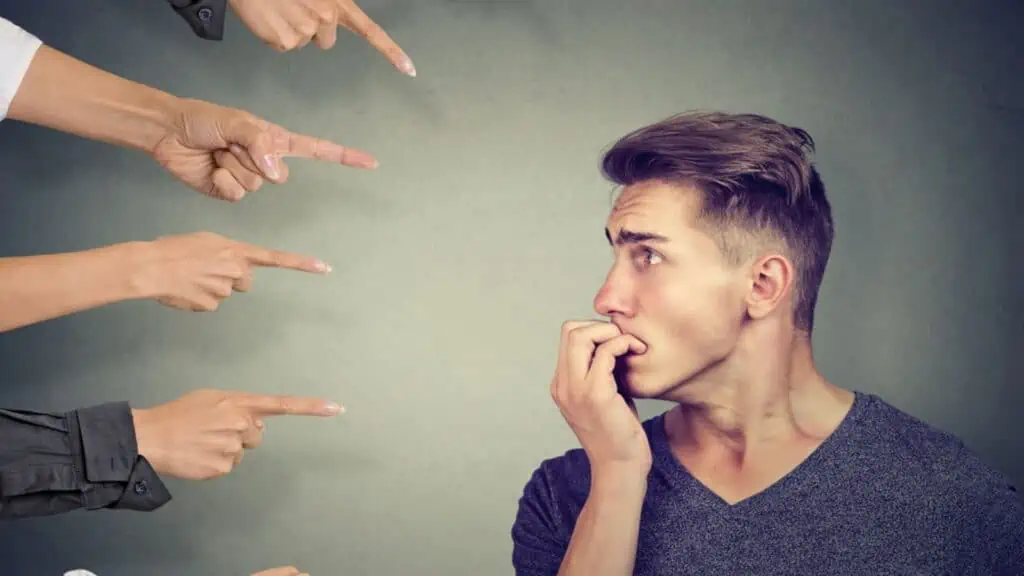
pixel 219 151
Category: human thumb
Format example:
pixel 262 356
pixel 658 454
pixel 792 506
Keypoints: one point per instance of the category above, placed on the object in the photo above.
pixel 255 137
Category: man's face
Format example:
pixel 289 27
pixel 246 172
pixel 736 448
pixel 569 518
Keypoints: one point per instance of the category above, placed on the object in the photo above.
pixel 670 287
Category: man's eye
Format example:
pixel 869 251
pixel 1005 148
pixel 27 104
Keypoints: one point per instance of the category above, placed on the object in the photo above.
pixel 647 257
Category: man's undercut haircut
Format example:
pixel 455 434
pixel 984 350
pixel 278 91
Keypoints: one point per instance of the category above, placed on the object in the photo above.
pixel 758 188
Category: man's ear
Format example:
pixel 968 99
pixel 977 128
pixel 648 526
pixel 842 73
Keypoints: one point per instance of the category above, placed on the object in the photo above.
pixel 772 278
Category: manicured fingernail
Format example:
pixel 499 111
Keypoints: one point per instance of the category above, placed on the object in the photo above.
pixel 270 166
pixel 260 424
pixel 407 67
pixel 333 408
pixel 322 267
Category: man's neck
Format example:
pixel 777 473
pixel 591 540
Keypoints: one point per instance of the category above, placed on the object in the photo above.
pixel 768 394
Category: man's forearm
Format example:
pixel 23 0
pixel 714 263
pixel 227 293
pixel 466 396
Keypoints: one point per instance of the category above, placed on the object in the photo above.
pixel 66 94
pixel 38 288
pixel 605 538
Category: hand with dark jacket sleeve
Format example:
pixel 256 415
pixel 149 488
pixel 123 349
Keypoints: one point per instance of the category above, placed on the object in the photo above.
pixel 110 456
pixel 291 24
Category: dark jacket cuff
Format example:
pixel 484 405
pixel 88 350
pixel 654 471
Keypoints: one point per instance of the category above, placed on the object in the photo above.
pixel 115 476
pixel 205 17
pixel 109 448
pixel 144 492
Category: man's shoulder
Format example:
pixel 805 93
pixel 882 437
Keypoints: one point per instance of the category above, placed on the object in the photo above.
pixel 917 450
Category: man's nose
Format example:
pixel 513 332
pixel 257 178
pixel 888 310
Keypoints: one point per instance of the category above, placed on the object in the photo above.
pixel 615 296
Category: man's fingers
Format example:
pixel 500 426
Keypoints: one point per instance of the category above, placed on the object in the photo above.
pixel 278 259
pixel 277 405
pixel 580 345
pixel 357 21
pixel 563 344
pixel 605 355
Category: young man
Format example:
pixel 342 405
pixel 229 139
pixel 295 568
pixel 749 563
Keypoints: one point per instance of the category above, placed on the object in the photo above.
pixel 721 236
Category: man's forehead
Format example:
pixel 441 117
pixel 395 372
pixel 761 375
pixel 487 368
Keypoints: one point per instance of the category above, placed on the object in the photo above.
pixel 652 204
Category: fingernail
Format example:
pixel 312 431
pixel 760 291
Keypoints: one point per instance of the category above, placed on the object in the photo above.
pixel 260 424
pixel 270 166
pixel 406 66
pixel 322 267
pixel 333 409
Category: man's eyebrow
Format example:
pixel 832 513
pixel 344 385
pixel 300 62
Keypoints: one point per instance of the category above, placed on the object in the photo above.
pixel 632 237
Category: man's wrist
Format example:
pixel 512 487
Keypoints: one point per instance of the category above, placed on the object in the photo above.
pixel 619 482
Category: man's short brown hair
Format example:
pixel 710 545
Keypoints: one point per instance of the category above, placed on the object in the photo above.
pixel 756 180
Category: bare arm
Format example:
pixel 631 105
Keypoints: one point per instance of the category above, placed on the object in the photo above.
pixel 66 94
pixel 605 538
pixel 38 288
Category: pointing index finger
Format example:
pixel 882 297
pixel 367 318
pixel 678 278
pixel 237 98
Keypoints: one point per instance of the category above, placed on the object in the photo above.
pixel 280 405
pixel 291 144
pixel 357 21
pixel 280 259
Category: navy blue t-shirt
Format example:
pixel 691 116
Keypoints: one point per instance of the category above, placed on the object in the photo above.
pixel 884 494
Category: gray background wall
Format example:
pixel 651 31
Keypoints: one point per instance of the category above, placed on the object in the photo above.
pixel 456 262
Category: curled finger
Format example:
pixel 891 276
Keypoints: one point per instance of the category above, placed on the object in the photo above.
pixel 327 35
pixel 219 287
pixel 581 344
pixel 225 186
pixel 243 284
pixel 252 437
pixel 606 353
pixel 251 180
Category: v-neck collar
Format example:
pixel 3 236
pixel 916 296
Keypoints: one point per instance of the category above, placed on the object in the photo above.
pixel 681 478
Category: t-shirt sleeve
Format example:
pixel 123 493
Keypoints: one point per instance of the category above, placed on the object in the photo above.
pixel 538 534
pixel 17 49
pixel 1002 546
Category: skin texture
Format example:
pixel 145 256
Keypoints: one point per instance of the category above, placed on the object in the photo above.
pixel 685 325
